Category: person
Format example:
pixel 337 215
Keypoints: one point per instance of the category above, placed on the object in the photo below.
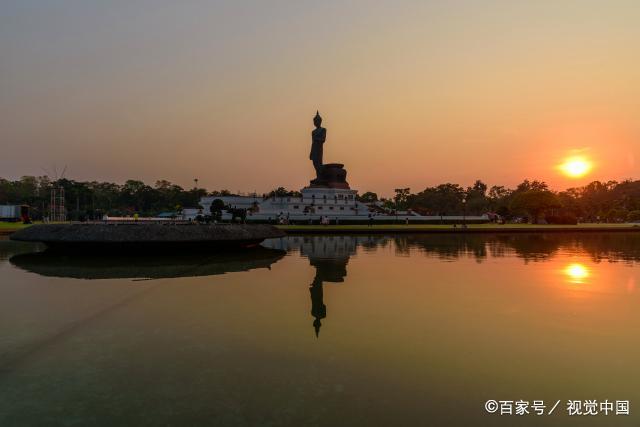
pixel 370 220
pixel 135 217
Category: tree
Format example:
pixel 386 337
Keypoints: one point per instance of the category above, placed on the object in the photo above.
pixel 534 203
pixel 633 216
pixel 570 201
pixel 598 201
pixel 280 192
pixel 368 197
pixel 283 192
pixel 479 187
pixel 527 185
pixel 445 199
pixel 218 193
pixel 477 201
pixel 217 205
pixel 499 200
pixel 401 197
pixel 388 204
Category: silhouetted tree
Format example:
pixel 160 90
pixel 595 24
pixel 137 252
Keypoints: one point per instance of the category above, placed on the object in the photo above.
pixel 401 198
pixel 534 203
pixel 368 197
pixel 597 201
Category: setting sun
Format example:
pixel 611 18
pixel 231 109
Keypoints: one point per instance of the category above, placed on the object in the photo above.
pixel 576 167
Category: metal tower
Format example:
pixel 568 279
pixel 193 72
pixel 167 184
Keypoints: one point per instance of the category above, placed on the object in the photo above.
pixel 58 210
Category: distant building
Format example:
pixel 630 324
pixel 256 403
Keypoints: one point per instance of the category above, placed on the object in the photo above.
pixel 14 212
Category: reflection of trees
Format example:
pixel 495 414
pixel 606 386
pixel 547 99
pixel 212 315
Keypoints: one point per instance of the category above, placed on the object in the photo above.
pixel 613 246
pixel 89 266
pixel 372 243
pixel 444 246
pixel 8 248
pixel 530 247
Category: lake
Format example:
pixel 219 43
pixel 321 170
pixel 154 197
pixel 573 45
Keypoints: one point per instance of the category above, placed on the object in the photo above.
pixel 324 331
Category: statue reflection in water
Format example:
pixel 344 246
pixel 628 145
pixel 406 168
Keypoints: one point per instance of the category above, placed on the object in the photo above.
pixel 329 255
pixel 327 270
pixel 318 307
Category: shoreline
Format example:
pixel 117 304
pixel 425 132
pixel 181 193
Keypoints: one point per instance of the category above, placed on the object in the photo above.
pixel 435 229
pixel 431 229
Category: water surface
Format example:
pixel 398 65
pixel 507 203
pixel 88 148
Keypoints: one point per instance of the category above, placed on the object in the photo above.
pixel 322 331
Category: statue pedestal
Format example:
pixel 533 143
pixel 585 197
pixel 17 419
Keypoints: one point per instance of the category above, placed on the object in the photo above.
pixel 332 175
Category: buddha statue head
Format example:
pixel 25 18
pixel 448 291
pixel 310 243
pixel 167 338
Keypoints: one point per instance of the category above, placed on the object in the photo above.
pixel 317 120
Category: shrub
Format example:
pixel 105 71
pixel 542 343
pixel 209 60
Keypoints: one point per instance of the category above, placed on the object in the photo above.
pixel 565 219
pixel 633 216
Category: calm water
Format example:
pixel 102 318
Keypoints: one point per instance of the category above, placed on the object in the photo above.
pixel 323 331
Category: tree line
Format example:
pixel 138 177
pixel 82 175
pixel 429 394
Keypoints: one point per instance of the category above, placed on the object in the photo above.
pixel 92 200
pixel 531 201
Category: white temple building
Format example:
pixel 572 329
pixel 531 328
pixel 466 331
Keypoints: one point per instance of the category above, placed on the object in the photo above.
pixel 315 203
pixel 334 204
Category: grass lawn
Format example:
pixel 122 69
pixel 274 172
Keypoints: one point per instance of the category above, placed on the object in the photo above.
pixel 11 226
pixel 426 227
pixel 7 227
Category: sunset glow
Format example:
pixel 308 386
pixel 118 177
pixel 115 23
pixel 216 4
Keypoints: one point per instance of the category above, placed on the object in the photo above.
pixel 576 167
pixel 576 272
pixel 413 96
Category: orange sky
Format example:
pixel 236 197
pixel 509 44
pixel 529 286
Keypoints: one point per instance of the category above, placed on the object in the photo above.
pixel 413 93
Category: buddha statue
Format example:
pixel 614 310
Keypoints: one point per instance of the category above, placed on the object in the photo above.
pixel 318 136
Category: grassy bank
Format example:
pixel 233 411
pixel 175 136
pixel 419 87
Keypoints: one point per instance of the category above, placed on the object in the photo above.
pixel 9 227
pixel 12 225
pixel 436 228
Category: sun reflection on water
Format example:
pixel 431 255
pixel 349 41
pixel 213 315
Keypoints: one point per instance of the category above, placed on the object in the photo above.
pixel 576 272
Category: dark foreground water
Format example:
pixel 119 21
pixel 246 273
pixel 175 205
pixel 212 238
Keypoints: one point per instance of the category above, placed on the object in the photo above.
pixel 324 331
